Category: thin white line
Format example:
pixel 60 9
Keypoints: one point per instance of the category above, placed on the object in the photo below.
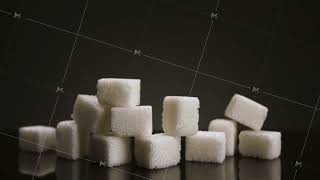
pixel 217 5
pixel 202 53
pixel 309 128
pixel 102 42
pixel 75 41
pixel 230 82
pixel 6 12
pixel 203 50
pixel 170 63
pixel 131 173
pixel 165 173
pixel 50 26
pixel 167 62
pixel 45 138
pixel 64 76
pixel 80 35
pixel 295 174
pixel 286 99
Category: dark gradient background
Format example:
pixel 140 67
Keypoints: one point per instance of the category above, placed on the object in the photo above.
pixel 273 45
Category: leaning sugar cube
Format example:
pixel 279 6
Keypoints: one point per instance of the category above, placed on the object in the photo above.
pixel 68 140
pixel 111 150
pixel 260 144
pixel 230 129
pixel 131 121
pixel 206 146
pixel 246 112
pixel 119 92
pixel 37 138
pixel 180 115
pixel 90 115
pixel 157 151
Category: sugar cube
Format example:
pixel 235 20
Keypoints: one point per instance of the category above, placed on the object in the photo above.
pixel 29 165
pixel 259 169
pixel 37 138
pixel 111 150
pixel 246 112
pixel 180 115
pixel 119 92
pixel 68 140
pixel 260 144
pixel 206 146
pixel 90 115
pixel 157 151
pixel 230 129
pixel 84 139
pixel 131 121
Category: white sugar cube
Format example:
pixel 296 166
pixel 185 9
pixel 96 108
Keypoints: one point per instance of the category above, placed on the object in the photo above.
pixel 119 92
pixel 260 144
pixel 246 112
pixel 84 138
pixel 131 121
pixel 37 138
pixel 68 140
pixel 157 151
pixel 206 146
pixel 28 162
pixel 180 115
pixel 260 169
pixel 110 150
pixel 230 129
pixel 90 115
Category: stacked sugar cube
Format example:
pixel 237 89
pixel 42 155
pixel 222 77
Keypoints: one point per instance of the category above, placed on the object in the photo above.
pixel 102 125
pixel 252 143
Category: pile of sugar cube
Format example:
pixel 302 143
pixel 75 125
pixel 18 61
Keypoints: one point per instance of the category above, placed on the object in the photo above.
pixel 103 124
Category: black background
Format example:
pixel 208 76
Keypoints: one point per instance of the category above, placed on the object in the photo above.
pixel 271 44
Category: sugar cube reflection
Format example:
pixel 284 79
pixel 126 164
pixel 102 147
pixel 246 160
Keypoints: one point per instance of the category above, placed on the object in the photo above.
pixel 255 169
pixel 28 163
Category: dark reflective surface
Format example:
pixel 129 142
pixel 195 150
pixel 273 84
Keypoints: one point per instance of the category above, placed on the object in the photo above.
pixel 20 165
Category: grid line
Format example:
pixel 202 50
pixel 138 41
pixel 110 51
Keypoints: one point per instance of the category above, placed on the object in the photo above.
pixel 173 64
pixel 74 43
pixel 202 53
pixel 306 138
pixel 309 128
pixel 176 65
pixel 58 95
pixel 45 138
pixel 5 12
pixel 204 48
